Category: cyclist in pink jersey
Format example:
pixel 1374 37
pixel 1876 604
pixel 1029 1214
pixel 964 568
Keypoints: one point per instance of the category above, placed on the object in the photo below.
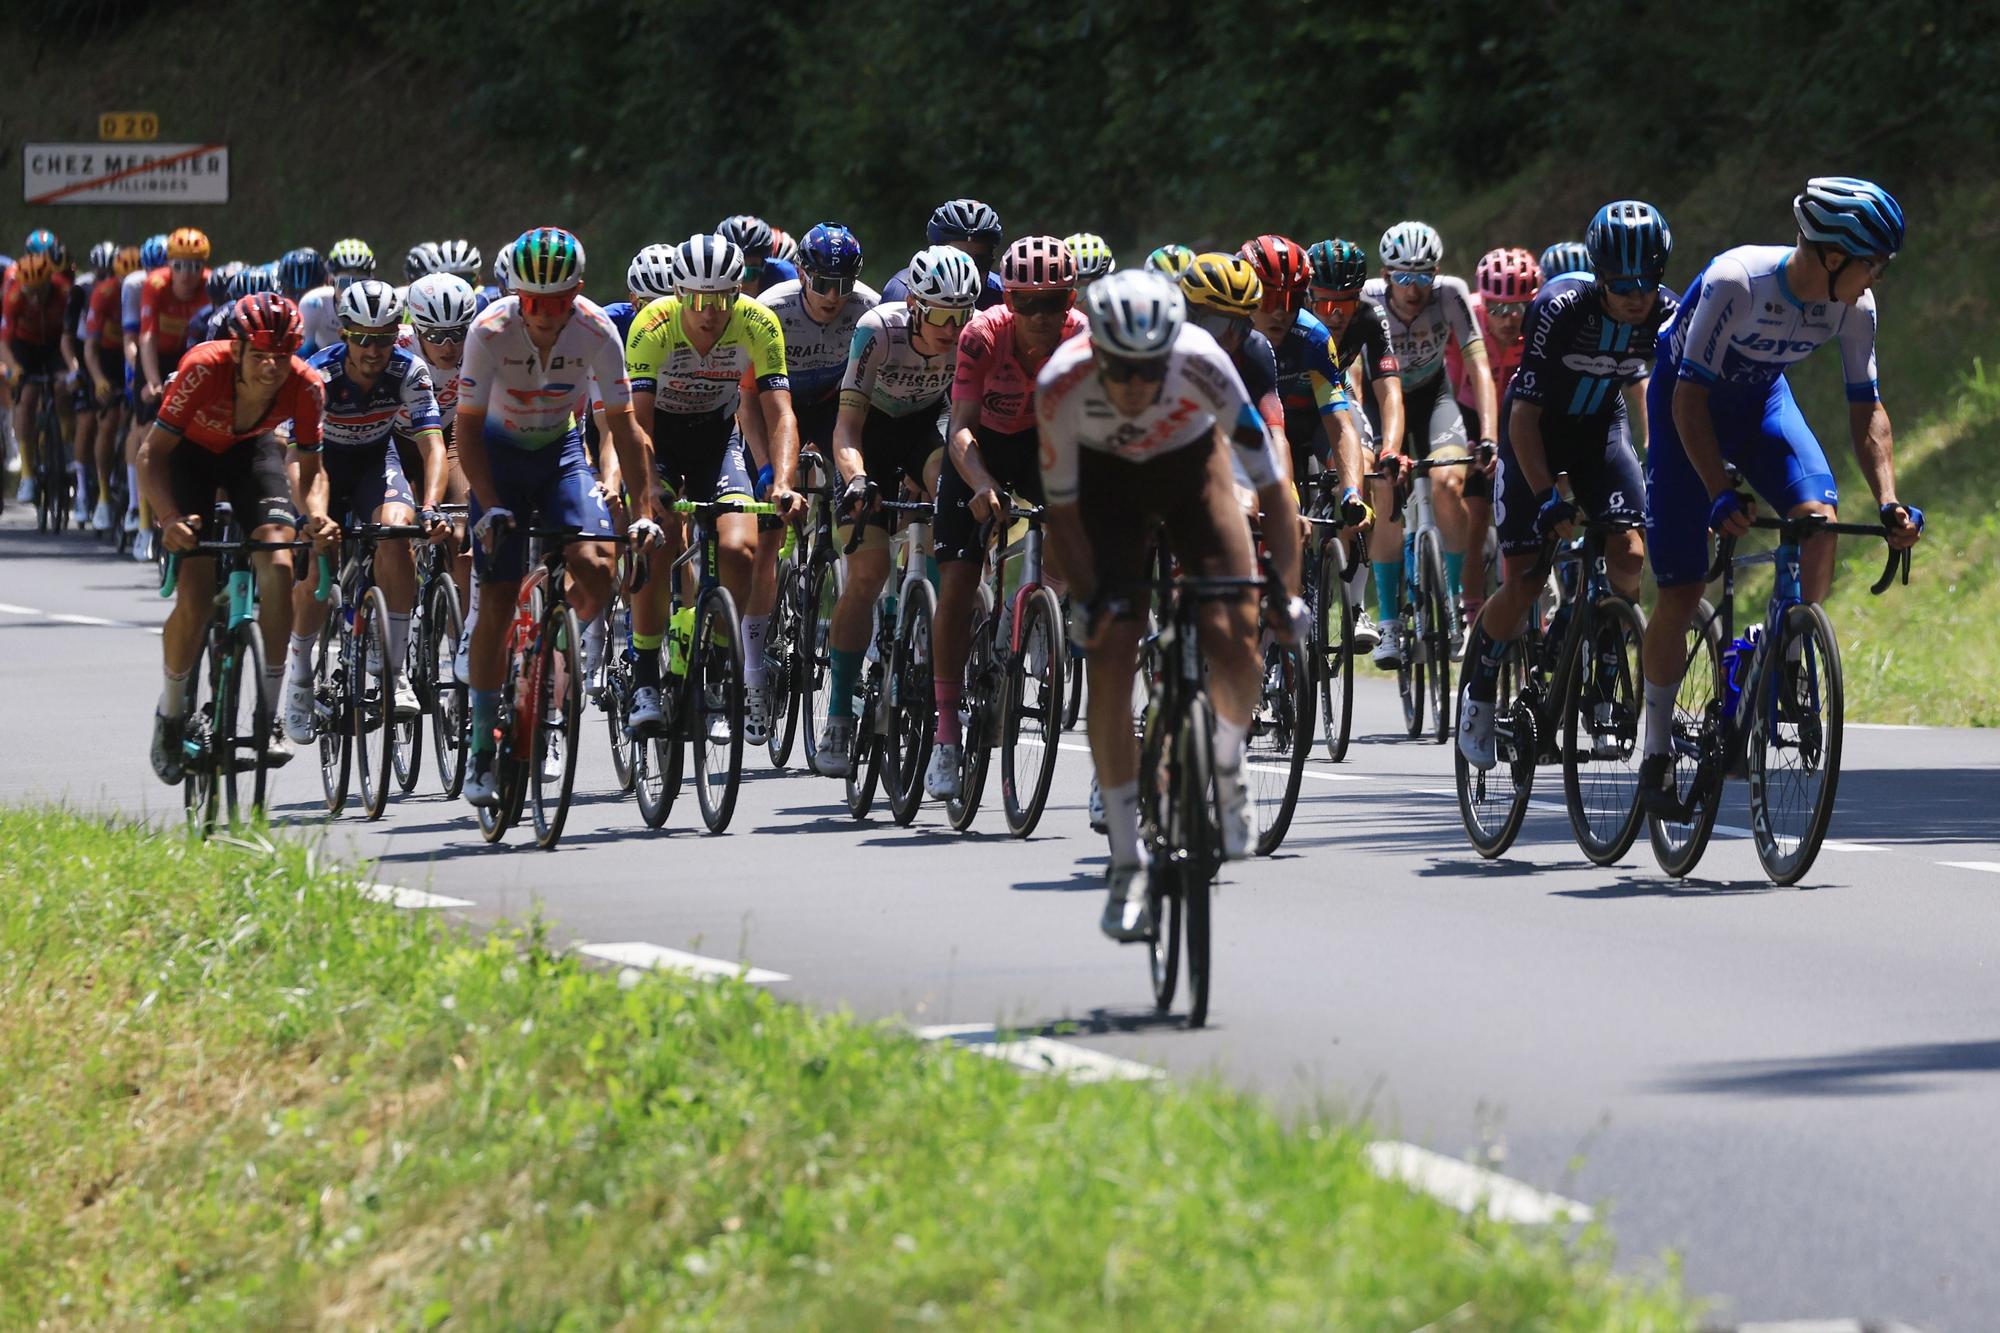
pixel 1506 281
pixel 994 448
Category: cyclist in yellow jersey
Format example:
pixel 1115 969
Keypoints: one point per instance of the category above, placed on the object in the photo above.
pixel 688 356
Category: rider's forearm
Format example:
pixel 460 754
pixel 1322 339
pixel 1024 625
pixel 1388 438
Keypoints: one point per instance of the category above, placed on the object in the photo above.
pixel 1281 533
pixel 314 488
pixel 847 459
pixel 1697 431
pixel 1480 371
pixel 432 443
pixel 782 428
pixel 1389 399
pixel 1070 547
pixel 470 433
pixel 1874 448
pixel 1347 450
pixel 634 450
pixel 149 359
pixel 965 457
pixel 153 484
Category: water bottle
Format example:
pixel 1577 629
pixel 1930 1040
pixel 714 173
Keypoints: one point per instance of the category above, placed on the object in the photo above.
pixel 680 640
pixel 1788 590
pixel 1736 660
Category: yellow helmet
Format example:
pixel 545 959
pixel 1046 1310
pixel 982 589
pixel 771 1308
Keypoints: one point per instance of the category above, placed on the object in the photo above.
pixel 187 243
pixel 126 264
pixel 33 270
pixel 1223 283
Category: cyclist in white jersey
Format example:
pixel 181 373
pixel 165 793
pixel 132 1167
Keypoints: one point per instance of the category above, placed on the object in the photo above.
pixel 152 255
pixel 441 310
pixel 1142 421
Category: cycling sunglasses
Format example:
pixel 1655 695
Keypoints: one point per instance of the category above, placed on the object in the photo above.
pixel 360 338
pixel 708 300
pixel 1217 323
pixel 1040 303
pixel 1628 286
pixel 944 316
pixel 1506 309
pixel 1118 369
pixel 829 286
pixel 186 265
pixel 1402 279
pixel 439 337
pixel 541 304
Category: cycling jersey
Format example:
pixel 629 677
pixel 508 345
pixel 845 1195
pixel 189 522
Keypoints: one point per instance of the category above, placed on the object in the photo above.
pixel 1201 389
pixel 200 405
pixel 1308 381
pixel 444 380
pixel 1257 363
pixel 1367 336
pixel 358 418
pixel 686 383
pixel 176 323
pixel 76 312
pixel 319 315
pixel 531 401
pixel 1420 343
pixel 1575 357
pixel 621 314
pixel 34 316
pixel 100 319
pixel 992 374
pixel 816 353
pixel 898 287
pixel 888 373
pixel 1502 361
pixel 129 292
pixel 1740 325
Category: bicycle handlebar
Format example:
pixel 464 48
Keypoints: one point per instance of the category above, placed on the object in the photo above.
pixel 170 575
pixel 858 529
pixel 724 507
pixel 1794 530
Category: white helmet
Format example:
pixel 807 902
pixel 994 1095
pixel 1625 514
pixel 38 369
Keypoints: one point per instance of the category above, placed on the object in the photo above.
pixel 423 258
pixel 708 262
pixel 651 272
pixel 441 301
pixel 1412 247
pixel 1136 314
pixel 503 269
pixel 371 304
pixel 460 257
pixel 944 275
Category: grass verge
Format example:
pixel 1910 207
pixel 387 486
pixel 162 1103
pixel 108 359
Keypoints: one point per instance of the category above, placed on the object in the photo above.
pixel 241 1095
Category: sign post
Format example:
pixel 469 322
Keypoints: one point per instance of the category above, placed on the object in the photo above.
pixel 98 173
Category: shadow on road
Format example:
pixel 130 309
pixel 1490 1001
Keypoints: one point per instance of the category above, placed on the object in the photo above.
pixel 1917 805
pixel 1873 1072
pixel 1658 886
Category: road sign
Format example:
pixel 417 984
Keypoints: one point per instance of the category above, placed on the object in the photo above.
pixel 114 125
pixel 95 173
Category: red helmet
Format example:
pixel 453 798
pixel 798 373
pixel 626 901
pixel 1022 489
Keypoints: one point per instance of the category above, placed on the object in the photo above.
pixel 1509 276
pixel 268 322
pixel 1038 264
pixel 1281 264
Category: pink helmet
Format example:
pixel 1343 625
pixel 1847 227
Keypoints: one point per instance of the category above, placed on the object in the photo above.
pixel 1038 264
pixel 1508 276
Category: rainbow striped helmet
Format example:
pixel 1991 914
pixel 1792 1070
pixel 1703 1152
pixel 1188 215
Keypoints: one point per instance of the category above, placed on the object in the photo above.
pixel 546 260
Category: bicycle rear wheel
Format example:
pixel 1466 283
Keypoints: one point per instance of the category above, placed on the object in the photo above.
pixel 447 701
pixel 243 724
pixel 1281 735
pixel 558 685
pixel 912 704
pixel 1163 893
pixel 1333 653
pixel 715 696
pixel 371 700
pixel 612 691
pixel 656 759
pixel 201 788
pixel 331 715
pixel 979 719
pixel 1493 803
pixel 406 736
pixel 1794 743
pixel 822 593
pixel 1600 741
pixel 1031 712
pixel 864 761
pixel 1434 613
pixel 1698 742
pixel 782 650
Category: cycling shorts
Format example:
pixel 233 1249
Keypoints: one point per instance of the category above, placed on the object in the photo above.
pixel 36 358
pixel 1305 433
pixel 1761 431
pixel 360 481
pixel 553 486
pixel 1603 472
pixel 1191 491
pixel 892 449
pixel 701 457
pixel 250 474
pixel 816 422
pixel 1014 459
pixel 1434 428
pixel 412 456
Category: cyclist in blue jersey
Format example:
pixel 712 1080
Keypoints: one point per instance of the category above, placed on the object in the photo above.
pixel 1720 396
pixel 966 225
pixel 1564 257
pixel 1319 424
pixel 754 237
pixel 1584 338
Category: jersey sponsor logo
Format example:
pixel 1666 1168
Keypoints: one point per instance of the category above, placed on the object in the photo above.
pixel 1142 438
pixel 1614 367
pixel 1752 342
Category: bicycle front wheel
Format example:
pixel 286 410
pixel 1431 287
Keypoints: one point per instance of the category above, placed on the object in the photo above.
pixel 1195 827
pixel 1434 614
pixel 1163 895
pixel 612 690
pixel 372 701
pixel 330 710
pixel 815 668
pixel 201 786
pixel 1031 712
pixel 1600 741
pixel 1333 653
pixel 447 700
pixel 1794 744
pixel 656 759
pixel 715 697
pixel 912 704
pixel 243 724
pixel 1281 733
pixel 979 719
pixel 1698 743
pixel 406 735
pixel 558 687
pixel 782 651
pixel 1493 802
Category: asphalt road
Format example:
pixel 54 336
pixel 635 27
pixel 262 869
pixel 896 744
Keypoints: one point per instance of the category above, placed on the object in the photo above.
pixel 1796 1089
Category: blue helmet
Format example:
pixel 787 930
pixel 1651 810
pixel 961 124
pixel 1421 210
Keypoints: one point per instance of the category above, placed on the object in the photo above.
pixel 249 280
pixel 1858 216
pixel 301 270
pixel 963 220
pixel 153 252
pixel 830 250
pixel 1629 240
pixel 41 241
pixel 1564 257
pixel 219 278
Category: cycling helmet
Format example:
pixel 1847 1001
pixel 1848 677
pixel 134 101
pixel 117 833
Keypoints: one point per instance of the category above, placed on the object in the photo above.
pixel 1507 276
pixel 249 280
pixel 963 220
pixel 41 241
pixel 1856 215
pixel 442 301
pixel 218 280
pixel 783 246
pixel 1093 257
pixel 1412 247
pixel 752 234
pixel 187 243
pixel 503 268
pixel 423 258
pixel 268 322
pixel 1337 265
pixel 1223 283
pixel 1280 262
pixel 301 270
pixel 708 263
pixel 34 269
pixel 651 272
pixel 945 275
pixel 1564 257
pixel 102 256
pixel 460 257
pixel 1628 240
pixel 153 252
pixel 830 250
pixel 350 258
pixel 126 264
pixel 545 261
pixel 1038 264
pixel 1135 314
pixel 1172 260
pixel 370 304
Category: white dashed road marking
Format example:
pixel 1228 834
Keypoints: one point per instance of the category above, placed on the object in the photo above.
pixel 397 896
pixel 637 953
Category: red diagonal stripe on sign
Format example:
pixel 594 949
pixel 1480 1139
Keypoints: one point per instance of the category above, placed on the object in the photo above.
pixel 155 164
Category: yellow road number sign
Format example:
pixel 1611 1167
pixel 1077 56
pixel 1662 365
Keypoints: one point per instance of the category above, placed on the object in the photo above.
pixel 128 125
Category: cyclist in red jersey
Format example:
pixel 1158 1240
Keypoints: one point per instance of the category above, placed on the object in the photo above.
pixel 217 430
pixel 994 448
pixel 36 295
pixel 170 309
pixel 104 361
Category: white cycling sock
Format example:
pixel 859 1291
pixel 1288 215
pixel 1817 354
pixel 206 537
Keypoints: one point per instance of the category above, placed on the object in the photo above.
pixel 298 658
pixel 1356 584
pixel 1659 717
pixel 1231 740
pixel 173 694
pixel 132 488
pixel 1121 822
pixel 274 679
pixel 399 641
pixel 754 628
pixel 472 610
pixel 593 647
